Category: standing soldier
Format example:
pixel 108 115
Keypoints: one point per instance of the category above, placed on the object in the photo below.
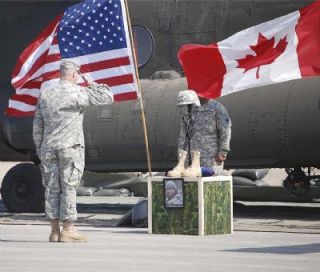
pixel 210 133
pixel 59 141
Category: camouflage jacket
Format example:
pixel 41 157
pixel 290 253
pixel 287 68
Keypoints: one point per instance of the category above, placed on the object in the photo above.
pixel 58 116
pixel 176 200
pixel 210 130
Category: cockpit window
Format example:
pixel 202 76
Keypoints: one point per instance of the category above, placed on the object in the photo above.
pixel 144 44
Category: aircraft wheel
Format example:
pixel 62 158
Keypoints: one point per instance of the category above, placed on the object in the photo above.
pixel 22 189
pixel 297 182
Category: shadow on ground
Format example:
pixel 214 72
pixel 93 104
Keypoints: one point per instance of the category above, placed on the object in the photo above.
pixel 95 215
pixel 276 211
pixel 294 250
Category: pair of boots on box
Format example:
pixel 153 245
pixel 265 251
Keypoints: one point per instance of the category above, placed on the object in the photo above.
pixel 194 170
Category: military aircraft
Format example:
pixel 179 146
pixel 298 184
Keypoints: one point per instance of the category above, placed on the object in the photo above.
pixel 273 126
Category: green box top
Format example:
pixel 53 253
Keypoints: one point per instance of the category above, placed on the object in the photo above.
pixel 199 179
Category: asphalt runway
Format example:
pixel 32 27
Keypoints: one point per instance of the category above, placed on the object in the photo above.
pixel 25 248
pixel 267 236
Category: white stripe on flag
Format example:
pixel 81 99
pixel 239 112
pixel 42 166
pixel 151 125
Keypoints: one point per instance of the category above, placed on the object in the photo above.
pixel 31 92
pixel 112 72
pixel 20 106
pixel 54 49
pixel 106 55
pixel 50 67
pixel 125 88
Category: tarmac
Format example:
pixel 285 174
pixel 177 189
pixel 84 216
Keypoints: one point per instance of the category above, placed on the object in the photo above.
pixel 267 237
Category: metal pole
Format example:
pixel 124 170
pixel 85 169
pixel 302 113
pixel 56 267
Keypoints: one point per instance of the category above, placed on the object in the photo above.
pixel 139 89
pixel 188 133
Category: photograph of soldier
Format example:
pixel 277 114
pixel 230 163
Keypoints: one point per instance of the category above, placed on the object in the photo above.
pixel 59 140
pixel 173 193
pixel 209 132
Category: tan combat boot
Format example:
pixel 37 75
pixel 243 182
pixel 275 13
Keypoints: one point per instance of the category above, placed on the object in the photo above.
pixel 179 169
pixel 194 170
pixel 55 230
pixel 68 234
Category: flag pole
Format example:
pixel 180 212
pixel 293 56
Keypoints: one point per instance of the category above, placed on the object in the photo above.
pixel 144 124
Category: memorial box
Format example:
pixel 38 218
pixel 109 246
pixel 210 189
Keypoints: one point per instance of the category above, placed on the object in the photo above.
pixel 203 206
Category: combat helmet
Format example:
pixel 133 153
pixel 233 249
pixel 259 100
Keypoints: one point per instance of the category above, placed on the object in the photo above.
pixel 188 97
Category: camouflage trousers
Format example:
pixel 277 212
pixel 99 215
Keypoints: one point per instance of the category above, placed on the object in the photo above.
pixel 208 153
pixel 61 172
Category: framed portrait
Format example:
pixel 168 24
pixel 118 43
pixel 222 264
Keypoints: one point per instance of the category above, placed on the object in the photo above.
pixel 173 192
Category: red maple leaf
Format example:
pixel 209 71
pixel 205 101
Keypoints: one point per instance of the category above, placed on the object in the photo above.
pixel 265 53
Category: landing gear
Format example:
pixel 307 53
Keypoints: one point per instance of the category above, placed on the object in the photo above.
pixel 297 181
pixel 22 189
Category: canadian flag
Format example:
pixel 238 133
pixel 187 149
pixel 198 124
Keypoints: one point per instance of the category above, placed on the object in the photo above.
pixel 283 49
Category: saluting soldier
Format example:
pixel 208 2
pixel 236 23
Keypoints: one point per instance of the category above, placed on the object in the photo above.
pixel 59 141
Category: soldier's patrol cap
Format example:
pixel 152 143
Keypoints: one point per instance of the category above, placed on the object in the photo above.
pixel 70 64
pixel 188 97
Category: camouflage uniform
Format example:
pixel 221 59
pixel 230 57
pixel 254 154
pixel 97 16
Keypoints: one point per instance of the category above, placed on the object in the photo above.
pixel 176 200
pixel 210 131
pixel 59 140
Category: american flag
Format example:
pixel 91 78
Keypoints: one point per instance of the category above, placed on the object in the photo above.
pixel 94 33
